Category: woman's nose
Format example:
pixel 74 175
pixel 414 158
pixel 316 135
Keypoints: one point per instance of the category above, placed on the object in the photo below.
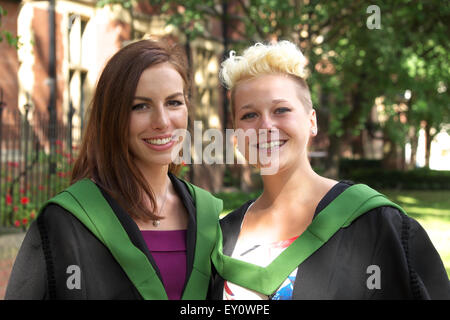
pixel 267 128
pixel 160 118
pixel 266 123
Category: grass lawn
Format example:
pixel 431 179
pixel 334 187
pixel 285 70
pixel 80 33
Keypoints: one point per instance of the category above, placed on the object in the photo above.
pixel 430 208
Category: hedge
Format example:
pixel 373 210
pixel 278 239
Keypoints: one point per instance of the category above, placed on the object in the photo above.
pixel 417 179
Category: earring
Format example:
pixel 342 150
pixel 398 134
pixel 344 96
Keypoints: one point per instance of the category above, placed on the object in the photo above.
pixel 314 131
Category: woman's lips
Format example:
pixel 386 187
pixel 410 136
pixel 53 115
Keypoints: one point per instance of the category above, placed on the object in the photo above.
pixel 270 145
pixel 159 143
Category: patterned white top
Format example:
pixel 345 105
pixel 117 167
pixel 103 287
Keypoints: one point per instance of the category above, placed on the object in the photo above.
pixel 261 255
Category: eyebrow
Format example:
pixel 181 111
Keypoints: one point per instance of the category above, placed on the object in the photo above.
pixel 274 101
pixel 174 95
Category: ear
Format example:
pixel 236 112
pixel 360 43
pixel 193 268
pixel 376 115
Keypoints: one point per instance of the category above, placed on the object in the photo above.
pixel 313 122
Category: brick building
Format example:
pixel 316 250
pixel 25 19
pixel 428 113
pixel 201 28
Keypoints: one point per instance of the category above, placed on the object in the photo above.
pixel 58 61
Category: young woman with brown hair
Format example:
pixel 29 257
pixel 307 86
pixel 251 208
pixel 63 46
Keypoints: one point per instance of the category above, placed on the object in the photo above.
pixel 127 228
pixel 308 236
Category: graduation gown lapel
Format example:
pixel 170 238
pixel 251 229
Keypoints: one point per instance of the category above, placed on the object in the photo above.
pixel 353 202
pixel 131 229
pixel 116 230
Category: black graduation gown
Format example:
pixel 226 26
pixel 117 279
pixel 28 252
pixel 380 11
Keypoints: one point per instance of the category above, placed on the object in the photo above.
pixel 57 240
pixel 408 264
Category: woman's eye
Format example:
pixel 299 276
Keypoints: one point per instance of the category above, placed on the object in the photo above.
pixel 139 106
pixel 249 115
pixel 282 110
pixel 175 103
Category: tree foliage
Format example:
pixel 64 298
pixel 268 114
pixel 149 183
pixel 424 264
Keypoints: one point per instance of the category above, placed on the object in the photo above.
pixel 350 64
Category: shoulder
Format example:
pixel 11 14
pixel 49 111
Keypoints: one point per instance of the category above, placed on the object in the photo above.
pixel 72 198
pixel 387 222
pixel 235 217
pixel 384 213
pixel 52 211
pixel 368 204
pixel 388 216
pixel 64 205
pixel 55 219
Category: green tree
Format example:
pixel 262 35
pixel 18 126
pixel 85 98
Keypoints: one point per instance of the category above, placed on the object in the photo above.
pixel 351 64
pixel 423 74
pixel 316 28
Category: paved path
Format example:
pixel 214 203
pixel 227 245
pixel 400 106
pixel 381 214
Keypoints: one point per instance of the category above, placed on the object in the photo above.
pixel 9 246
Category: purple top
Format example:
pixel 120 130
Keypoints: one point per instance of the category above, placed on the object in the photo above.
pixel 168 249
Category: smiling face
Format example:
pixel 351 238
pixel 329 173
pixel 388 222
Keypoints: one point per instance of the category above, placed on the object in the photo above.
pixel 270 102
pixel 158 110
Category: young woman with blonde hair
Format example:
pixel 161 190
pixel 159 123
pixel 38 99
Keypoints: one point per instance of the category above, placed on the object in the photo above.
pixel 307 236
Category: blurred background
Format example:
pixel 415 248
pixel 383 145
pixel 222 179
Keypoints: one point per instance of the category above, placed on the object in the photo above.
pixel 378 73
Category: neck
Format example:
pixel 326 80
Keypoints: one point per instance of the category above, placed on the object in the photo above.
pixel 156 177
pixel 293 187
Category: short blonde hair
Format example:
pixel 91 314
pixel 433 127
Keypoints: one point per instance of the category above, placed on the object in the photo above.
pixel 283 57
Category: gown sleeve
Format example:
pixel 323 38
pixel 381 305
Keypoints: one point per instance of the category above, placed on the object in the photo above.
pixel 28 279
pixel 429 278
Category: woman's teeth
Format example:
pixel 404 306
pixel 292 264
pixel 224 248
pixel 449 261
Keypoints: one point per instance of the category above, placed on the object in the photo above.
pixel 158 141
pixel 271 144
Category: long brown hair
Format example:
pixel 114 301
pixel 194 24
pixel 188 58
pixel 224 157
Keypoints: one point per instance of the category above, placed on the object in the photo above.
pixel 104 152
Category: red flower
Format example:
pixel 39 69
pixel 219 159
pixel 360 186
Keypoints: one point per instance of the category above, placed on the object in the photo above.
pixel 41 188
pixel 32 215
pixel 24 200
pixel 16 208
pixel 183 163
pixel 13 164
pixel 17 223
pixel 58 142
pixel 24 221
pixel 61 174
pixel 8 199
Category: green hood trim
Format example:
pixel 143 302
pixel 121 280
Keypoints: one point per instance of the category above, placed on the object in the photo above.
pixel 340 213
pixel 86 202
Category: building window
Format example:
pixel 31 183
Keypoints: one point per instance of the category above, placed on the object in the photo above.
pixel 78 68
